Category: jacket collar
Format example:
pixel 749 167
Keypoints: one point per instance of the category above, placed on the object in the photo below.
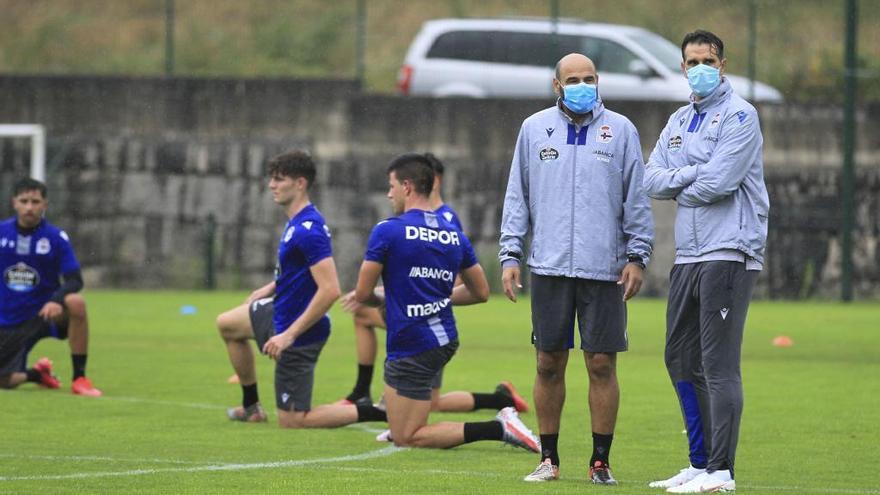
pixel 721 94
pixel 594 114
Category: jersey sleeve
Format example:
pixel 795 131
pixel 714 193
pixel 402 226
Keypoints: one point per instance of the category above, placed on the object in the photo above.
pixel 379 243
pixel 315 245
pixel 68 262
pixel 469 257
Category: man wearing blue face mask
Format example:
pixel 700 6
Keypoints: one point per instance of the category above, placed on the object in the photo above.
pixel 708 160
pixel 576 184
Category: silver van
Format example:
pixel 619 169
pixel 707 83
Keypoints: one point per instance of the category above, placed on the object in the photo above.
pixel 483 58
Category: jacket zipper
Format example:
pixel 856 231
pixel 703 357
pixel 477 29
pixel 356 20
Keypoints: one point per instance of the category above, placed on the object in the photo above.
pixel 573 187
pixel 685 151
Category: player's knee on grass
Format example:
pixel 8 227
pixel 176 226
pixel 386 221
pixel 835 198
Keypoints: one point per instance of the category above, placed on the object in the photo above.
pixel 601 366
pixel 6 382
pixel 75 306
pixel 291 419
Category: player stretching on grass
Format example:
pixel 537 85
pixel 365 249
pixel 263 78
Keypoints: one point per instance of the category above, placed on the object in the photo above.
pixel 288 316
pixel 367 319
pixel 39 294
pixel 418 255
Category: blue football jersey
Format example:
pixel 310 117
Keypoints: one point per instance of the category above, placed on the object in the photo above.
pixel 304 242
pixel 449 215
pixel 421 254
pixel 32 265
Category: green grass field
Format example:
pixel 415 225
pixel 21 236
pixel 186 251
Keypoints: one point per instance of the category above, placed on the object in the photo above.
pixel 810 423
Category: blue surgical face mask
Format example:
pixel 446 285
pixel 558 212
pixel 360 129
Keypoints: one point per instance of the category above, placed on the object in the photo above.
pixel 703 79
pixel 579 98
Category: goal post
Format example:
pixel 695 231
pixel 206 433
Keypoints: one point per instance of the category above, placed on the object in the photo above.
pixel 37 135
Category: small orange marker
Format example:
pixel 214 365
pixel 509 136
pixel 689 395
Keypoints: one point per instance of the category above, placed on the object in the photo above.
pixel 783 341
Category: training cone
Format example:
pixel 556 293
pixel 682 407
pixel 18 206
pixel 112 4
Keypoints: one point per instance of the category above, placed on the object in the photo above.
pixel 783 341
pixel 233 379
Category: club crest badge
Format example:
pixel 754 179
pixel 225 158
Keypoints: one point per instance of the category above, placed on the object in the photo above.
pixel 604 135
pixel 43 246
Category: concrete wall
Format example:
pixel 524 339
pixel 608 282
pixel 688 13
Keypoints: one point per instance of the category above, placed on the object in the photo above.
pixel 136 166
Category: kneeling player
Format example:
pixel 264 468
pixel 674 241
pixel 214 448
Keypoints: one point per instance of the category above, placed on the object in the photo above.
pixel 38 297
pixel 422 336
pixel 367 320
pixel 288 317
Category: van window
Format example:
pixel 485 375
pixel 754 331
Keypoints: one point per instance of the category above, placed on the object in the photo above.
pixel 504 47
pixel 461 45
pixel 607 55
pixel 532 49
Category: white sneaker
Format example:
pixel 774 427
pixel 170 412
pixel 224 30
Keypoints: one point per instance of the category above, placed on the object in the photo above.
pixel 516 433
pixel 545 471
pixel 385 436
pixel 681 478
pixel 718 481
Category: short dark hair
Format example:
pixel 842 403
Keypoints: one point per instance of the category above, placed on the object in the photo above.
pixel 701 37
pixel 436 164
pixel 293 164
pixel 26 184
pixel 415 168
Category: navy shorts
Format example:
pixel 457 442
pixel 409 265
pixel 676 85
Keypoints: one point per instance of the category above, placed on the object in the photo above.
pixel 17 341
pixel 596 304
pixel 295 370
pixel 414 377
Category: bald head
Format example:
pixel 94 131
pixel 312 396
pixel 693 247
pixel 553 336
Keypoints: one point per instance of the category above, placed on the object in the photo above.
pixel 573 62
pixel 574 68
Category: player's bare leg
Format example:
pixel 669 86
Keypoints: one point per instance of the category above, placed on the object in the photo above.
pixel 366 320
pixel 235 329
pixel 408 421
pixel 78 340
pixel 550 389
pixel 604 398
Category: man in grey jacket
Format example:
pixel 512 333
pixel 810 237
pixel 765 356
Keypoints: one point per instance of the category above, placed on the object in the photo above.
pixel 708 160
pixel 576 184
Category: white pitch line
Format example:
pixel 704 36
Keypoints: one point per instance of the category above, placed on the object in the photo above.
pixel 366 428
pixel 384 452
pixel 100 458
pixel 191 405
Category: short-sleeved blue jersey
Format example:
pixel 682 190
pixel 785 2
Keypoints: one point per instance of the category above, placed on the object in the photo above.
pixel 421 254
pixel 32 264
pixel 304 242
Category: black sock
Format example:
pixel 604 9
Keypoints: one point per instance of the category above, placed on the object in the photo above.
pixel 601 448
pixel 487 430
pixel 369 412
pixel 249 395
pixel 493 401
pixel 33 376
pixel 364 380
pixel 548 448
pixel 79 365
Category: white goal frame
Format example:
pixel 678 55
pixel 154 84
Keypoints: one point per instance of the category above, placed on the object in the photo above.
pixel 37 135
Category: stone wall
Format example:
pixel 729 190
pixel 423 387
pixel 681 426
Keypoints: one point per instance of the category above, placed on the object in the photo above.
pixel 137 165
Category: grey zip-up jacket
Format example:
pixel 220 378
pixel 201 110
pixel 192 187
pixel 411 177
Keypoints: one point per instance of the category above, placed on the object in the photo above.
pixel 709 159
pixel 579 189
